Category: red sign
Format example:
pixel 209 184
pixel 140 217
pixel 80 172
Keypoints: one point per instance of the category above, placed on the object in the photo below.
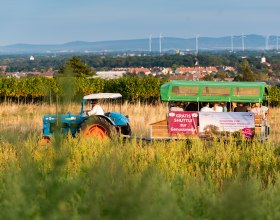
pixel 180 122
pixel 248 133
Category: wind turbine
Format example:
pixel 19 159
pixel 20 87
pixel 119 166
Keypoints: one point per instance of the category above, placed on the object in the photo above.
pixel 277 39
pixel 150 43
pixel 243 43
pixel 266 42
pixel 160 37
pixel 196 43
pixel 231 42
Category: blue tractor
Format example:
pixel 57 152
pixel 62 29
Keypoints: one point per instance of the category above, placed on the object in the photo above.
pixel 111 124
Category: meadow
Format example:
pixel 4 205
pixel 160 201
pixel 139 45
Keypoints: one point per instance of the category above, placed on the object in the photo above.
pixel 91 179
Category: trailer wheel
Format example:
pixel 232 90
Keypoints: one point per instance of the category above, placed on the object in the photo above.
pixel 99 127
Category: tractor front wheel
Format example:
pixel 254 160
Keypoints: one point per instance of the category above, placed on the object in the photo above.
pixel 43 140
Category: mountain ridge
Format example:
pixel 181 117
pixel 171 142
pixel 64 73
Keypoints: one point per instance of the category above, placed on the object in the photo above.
pixel 250 42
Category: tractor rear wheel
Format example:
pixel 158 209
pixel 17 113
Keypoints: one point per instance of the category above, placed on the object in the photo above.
pixel 98 127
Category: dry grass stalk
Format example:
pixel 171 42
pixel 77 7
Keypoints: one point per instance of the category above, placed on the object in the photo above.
pixel 29 117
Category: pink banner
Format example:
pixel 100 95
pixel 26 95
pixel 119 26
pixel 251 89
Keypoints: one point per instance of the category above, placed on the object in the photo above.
pixel 217 123
pixel 180 122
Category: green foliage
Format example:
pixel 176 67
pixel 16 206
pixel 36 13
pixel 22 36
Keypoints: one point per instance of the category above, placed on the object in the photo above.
pixel 77 68
pixel 42 63
pixel 208 77
pixel 221 75
pixel 245 72
pixel 136 88
pixel 132 88
pixel 31 88
pixel 274 95
pixel 87 86
pixel 90 179
pixel 240 200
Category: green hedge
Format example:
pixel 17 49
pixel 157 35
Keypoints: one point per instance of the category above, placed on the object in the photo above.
pixel 132 88
pixel 40 88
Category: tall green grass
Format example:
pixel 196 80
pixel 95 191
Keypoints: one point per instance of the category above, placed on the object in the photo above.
pixel 89 179
pixel 92 179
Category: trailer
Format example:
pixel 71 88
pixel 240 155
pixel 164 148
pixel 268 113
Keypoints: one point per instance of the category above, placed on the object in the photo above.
pixel 188 121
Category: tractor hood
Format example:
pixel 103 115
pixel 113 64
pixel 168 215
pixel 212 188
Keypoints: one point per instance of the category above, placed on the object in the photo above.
pixel 68 122
pixel 67 118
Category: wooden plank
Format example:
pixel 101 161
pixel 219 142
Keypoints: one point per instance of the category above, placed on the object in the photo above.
pixel 162 129
pixel 162 122
pixel 158 131
pixel 159 126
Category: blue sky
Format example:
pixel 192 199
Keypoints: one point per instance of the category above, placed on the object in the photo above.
pixel 60 21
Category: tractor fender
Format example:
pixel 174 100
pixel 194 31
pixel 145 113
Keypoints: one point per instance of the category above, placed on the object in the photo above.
pixel 118 118
pixel 107 119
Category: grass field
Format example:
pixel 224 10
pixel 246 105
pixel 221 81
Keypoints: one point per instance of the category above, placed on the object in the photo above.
pixel 88 179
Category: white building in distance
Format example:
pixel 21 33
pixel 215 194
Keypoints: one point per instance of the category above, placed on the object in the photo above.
pixel 110 74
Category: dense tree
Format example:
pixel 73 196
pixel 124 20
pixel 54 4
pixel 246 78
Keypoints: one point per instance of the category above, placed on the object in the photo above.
pixel 274 95
pixel 221 75
pixel 208 77
pixel 77 68
pixel 246 74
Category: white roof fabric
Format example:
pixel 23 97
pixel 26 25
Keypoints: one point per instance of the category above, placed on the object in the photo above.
pixel 103 96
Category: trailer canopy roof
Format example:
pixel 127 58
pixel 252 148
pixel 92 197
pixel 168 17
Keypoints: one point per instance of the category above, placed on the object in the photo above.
pixel 207 91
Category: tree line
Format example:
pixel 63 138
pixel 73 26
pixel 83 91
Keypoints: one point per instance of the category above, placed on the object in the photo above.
pixel 40 89
pixel 41 63
pixel 98 62
pixel 44 90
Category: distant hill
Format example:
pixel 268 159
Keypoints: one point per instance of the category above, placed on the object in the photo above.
pixel 251 42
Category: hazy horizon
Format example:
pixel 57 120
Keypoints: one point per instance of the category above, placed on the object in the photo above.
pixel 57 22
